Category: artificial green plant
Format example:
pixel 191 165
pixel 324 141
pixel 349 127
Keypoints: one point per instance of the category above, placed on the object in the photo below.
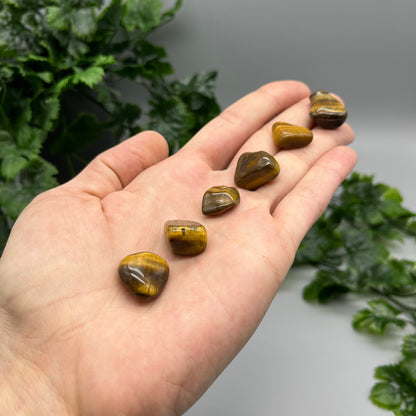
pixel 62 64
pixel 351 246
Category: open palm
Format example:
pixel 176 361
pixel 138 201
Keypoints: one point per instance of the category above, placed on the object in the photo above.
pixel 98 350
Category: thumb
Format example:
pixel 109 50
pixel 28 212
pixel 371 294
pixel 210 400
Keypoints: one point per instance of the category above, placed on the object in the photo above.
pixel 115 168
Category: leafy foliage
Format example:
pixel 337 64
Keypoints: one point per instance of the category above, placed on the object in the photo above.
pixel 349 246
pixel 62 63
pixel 376 318
pixel 350 243
pixel 396 389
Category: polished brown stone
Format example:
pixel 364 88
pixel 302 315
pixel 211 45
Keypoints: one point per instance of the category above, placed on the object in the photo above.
pixel 186 238
pixel 326 110
pixel 288 136
pixel 219 199
pixel 255 169
pixel 144 274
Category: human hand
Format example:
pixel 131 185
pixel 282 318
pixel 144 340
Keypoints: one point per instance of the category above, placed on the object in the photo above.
pixel 75 341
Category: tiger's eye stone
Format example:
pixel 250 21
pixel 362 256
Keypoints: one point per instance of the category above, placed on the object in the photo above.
pixel 254 169
pixel 186 238
pixel 288 136
pixel 219 199
pixel 326 110
pixel 144 274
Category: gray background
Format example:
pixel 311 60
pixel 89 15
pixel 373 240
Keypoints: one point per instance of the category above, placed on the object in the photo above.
pixel 305 358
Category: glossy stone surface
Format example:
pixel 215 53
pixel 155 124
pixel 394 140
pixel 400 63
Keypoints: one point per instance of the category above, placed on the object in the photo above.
pixel 281 123
pixel 288 136
pixel 144 274
pixel 219 199
pixel 254 169
pixel 186 238
pixel 326 110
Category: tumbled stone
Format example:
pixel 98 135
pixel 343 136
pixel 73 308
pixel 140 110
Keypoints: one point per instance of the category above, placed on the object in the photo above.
pixel 288 136
pixel 254 169
pixel 219 199
pixel 144 274
pixel 326 110
pixel 186 238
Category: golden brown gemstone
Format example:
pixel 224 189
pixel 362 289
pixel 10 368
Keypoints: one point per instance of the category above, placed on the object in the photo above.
pixel 219 199
pixel 326 110
pixel 186 238
pixel 145 274
pixel 255 169
pixel 288 136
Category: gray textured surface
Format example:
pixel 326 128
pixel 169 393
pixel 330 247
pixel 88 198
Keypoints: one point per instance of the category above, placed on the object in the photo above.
pixel 306 359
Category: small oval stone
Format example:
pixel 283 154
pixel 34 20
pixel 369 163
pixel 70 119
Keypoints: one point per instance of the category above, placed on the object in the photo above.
pixel 144 274
pixel 288 136
pixel 186 238
pixel 326 110
pixel 219 199
pixel 254 169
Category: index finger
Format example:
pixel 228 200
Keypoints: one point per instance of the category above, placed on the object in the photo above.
pixel 218 142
